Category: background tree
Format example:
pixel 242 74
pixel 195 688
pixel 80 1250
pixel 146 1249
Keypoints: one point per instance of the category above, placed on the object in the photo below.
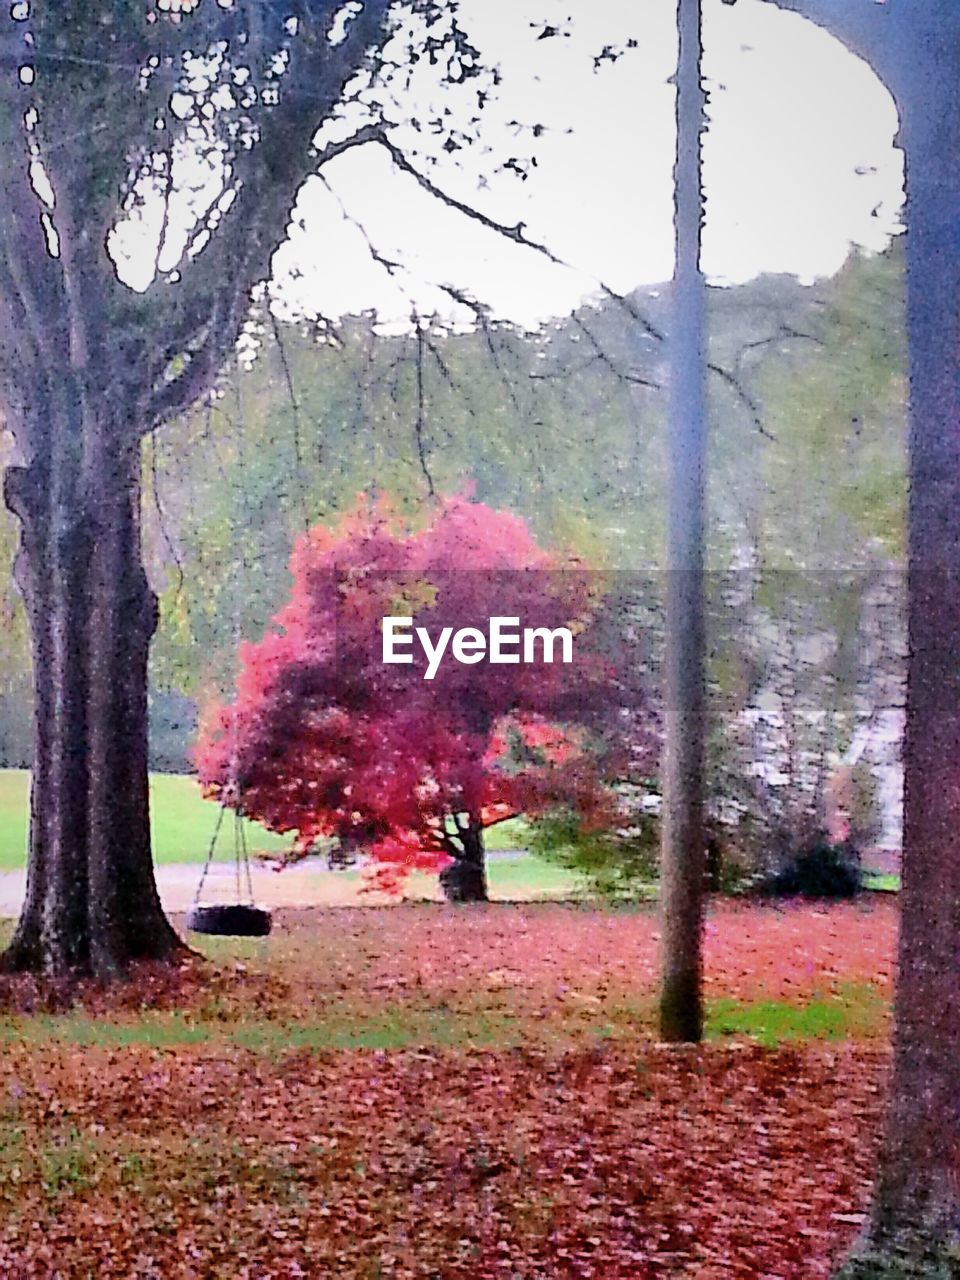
pixel 325 739
pixel 917 1209
pixel 804 527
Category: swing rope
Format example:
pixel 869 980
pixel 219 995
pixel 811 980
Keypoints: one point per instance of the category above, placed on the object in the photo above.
pixel 242 870
pixel 232 797
pixel 210 853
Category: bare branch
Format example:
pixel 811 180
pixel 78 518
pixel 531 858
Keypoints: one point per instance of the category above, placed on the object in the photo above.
pixel 266 178
pixel 162 518
pixel 742 394
pixel 297 420
pixel 368 133
pixel 602 355
pixel 517 235
pixel 420 421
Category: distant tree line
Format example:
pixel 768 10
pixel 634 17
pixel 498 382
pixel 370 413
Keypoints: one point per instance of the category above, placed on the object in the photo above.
pixel 565 427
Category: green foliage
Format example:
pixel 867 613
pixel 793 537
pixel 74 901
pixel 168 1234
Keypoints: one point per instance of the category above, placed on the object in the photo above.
pixel 540 424
pixel 173 723
pixel 616 864
pixel 828 480
pixel 15 673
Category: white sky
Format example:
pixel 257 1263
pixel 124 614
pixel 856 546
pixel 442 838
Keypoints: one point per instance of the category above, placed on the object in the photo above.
pixel 799 165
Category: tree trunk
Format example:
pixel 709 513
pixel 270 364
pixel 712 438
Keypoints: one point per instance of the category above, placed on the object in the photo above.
pixel 915 1225
pixel 682 854
pixel 465 879
pixel 91 901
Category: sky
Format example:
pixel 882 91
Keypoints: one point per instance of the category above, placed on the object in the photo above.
pixel 799 165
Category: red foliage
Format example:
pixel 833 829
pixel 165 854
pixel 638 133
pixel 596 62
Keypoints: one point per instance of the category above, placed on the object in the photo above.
pixel 325 739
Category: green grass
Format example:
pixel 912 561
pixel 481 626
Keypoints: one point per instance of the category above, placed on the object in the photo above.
pixel 14 803
pixel 183 822
pixel 513 833
pixel 532 875
pixel 881 882
pixel 183 825
pixel 858 1011
pixel 393 1027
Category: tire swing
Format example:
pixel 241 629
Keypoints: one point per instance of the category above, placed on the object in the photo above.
pixel 241 918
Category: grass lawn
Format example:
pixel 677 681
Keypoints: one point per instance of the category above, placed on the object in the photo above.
pixel 510 834
pixel 531 877
pixel 14 805
pixel 881 882
pixel 405 1092
pixel 183 825
pixel 183 822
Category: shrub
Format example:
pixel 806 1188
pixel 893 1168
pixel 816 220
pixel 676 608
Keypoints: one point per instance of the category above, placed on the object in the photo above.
pixel 617 864
pixel 822 870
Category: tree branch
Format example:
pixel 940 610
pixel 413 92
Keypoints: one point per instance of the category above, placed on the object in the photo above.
pixel 742 394
pixel 266 178
pixel 420 420
pixel 516 234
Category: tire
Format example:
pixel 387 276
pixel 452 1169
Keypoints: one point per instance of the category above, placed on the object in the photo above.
pixel 233 920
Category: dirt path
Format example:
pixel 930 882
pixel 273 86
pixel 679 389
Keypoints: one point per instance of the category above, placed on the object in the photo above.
pixel 297 887
pixel 311 885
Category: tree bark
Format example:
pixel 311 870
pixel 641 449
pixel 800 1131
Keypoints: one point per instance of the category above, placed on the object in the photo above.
pixel 915 1222
pixel 465 879
pixel 91 902
pixel 87 366
pixel 682 851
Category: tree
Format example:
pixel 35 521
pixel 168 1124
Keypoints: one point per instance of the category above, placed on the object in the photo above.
pixel 112 114
pixel 412 761
pixel 818 362
pixel 682 857
pixel 915 1222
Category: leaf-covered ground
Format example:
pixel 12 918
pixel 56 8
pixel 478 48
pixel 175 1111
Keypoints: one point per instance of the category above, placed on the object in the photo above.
pixel 431 1092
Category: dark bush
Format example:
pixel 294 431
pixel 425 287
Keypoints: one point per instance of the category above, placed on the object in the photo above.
pixel 822 870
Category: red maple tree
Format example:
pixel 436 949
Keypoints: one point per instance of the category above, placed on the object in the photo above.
pixel 324 738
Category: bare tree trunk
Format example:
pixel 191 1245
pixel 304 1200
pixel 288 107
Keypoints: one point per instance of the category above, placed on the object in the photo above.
pixel 915 1226
pixel 91 903
pixel 465 879
pixel 87 365
pixel 682 855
